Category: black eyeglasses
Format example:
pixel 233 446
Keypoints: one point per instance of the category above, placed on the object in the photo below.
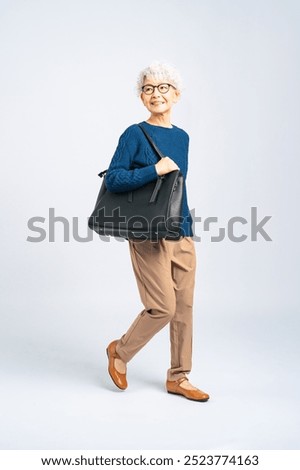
pixel 162 88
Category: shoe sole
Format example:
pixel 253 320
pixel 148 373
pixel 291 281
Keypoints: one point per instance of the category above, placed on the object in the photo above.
pixel 187 398
pixel 107 353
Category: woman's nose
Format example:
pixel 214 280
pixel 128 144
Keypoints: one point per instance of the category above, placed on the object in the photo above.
pixel 156 91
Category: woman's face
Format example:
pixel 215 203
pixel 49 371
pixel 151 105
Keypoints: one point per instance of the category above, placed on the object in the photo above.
pixel 156 102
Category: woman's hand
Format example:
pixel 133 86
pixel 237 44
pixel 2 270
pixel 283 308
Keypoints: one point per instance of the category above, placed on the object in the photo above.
pixel 165 165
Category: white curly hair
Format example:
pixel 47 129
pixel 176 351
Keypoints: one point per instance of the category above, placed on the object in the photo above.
pixel 162 72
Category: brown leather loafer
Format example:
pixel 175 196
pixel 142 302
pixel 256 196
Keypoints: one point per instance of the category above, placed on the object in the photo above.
pixel 176 388
pixel 118 378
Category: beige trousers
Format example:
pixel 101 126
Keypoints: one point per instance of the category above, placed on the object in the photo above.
pixel 165 274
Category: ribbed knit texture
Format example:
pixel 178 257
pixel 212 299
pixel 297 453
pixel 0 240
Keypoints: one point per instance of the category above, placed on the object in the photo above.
pixel 133 163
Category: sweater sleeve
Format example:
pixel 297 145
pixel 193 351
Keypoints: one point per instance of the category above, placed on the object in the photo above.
pixel 120 176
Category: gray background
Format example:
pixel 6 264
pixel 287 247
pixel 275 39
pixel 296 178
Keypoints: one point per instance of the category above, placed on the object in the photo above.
pixel 68 71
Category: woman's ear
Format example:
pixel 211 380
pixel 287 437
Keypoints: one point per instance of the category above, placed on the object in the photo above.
pixel 177 96
pixel 142 98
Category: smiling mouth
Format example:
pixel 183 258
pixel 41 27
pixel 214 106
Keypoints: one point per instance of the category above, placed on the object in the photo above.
pixel 157 102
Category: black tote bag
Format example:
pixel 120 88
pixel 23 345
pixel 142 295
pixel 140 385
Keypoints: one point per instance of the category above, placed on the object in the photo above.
pixel 150 212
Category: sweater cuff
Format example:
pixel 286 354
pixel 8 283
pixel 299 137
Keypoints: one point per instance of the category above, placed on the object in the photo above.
pixel 148 173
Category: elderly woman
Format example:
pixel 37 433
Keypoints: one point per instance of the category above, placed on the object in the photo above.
pixel 164 269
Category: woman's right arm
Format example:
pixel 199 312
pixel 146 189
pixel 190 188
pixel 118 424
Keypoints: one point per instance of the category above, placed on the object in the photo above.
pixel 120 177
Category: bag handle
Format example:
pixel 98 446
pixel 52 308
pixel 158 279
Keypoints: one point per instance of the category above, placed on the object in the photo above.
pixel 160 156
pixel 156 149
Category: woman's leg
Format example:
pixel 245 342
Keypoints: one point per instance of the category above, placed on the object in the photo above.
pixel 153 271
pixel 183 261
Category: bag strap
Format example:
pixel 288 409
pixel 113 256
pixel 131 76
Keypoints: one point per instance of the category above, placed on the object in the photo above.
pixel 153 145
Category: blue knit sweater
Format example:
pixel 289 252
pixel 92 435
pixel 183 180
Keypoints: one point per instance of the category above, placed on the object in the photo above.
pixel 133 163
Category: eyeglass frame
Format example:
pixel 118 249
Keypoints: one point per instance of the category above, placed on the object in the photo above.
pixel 156 86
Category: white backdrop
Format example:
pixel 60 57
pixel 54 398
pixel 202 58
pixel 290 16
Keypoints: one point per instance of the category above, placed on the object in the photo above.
pixel 67 91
